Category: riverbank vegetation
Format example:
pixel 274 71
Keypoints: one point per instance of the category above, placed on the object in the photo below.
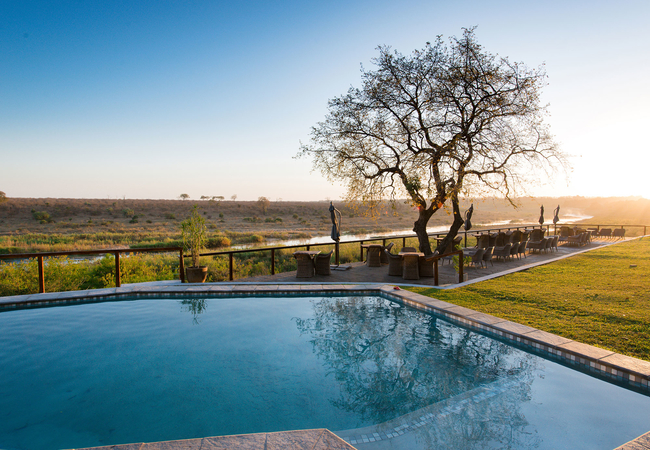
pixel 601 298
pixel 40 225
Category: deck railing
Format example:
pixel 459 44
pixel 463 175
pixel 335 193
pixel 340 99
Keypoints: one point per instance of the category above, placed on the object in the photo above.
pixel 272 250
pixel 115 252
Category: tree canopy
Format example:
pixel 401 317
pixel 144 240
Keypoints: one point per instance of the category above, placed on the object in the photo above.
pixel 442 122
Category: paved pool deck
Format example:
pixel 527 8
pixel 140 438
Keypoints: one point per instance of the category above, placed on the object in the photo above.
pixel 620 369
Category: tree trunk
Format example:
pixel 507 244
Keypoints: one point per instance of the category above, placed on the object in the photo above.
pixel 453 230
pixel 420 228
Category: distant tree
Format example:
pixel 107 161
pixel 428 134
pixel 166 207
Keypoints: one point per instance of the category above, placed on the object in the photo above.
pixel 205 197
pixel 184 196
pixel 3 197
pixel 233 197
pixel 439 123
pixel 263 203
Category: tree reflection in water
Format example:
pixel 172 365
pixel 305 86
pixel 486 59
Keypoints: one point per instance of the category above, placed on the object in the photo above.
pixel 196 306
pixel 391 360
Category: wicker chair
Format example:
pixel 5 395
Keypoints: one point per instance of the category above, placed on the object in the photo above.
pixel 322 263
pixel 556 239
pixel 425 265
pixel 477 256
pixel 408 249
pixel 521 249
pixel 451 248
pixel 502 252
pixel 549 244
pixel 619 233
pixel 383 257
pixel 483 241
pixel 487 256
pixel 605 232
pixel 394 264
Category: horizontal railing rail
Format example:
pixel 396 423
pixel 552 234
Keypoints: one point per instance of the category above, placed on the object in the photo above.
pixel 113 251
pixel 230 253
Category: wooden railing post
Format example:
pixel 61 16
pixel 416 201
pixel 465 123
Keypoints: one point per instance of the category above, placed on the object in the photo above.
pixel 41 275
pixel 231 269
pixel 272 261
pixel 118 278
pixel 361 251
pixel 181 266
pixel 460 267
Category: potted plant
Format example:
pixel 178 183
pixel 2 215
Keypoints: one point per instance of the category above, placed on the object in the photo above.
pixel 194 236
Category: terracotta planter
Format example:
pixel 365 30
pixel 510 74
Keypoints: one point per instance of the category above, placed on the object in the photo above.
pixel 196 274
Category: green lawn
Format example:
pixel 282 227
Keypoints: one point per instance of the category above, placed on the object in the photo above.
pixel 598 298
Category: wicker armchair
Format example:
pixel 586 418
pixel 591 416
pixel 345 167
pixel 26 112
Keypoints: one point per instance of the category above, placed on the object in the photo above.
pixel 383 257
pixel 477 256
pixel 521 249
pixel 619 233
pixel 483 241
pixel 487 256
pixel 394 264
pixel 408 249
pixel 322 263
pixel 502 252
pixel 605 232
pixel 425 265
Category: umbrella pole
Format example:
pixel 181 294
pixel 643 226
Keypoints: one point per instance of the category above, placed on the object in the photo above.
pixel 336 257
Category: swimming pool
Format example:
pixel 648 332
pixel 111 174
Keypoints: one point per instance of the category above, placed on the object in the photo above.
pixel 365 367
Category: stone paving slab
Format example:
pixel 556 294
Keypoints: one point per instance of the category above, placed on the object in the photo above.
pixel 640 443
pixel 316 439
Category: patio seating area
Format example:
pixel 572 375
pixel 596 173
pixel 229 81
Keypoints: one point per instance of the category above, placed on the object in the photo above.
pixel 408 266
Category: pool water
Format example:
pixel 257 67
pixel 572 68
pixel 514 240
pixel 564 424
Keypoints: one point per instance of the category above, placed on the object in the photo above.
pixel 162 369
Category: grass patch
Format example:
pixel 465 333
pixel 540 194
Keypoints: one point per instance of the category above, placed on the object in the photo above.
pixel 596 298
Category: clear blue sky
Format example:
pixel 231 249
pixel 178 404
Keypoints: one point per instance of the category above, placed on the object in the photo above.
pixel 151 99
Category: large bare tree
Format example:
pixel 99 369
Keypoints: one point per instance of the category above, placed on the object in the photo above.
pixel 442 122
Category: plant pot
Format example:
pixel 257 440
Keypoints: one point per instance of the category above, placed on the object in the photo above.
pixel 196 274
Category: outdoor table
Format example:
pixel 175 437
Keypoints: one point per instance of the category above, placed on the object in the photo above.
pixel 305 261
pixel 373 254
pixel 410 268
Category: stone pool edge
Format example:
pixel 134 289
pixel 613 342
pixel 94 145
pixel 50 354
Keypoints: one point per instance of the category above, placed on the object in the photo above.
pixel 623 370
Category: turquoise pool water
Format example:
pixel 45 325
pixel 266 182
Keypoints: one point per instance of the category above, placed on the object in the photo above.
pixel 162 369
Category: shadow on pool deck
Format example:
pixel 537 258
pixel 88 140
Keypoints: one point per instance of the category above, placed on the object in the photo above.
pixel 360 273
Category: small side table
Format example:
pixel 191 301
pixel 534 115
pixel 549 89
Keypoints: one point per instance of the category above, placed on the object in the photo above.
pixel 305 261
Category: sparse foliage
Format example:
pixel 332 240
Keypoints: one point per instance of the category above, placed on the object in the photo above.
pixel 3 197
pixel 194 233
pixel 184 196
pixel 439 123
pixel 233 197
pixel 263 203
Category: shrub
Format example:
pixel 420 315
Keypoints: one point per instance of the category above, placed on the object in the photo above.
pixel 170 216
pixel 41 216
pixel 128 212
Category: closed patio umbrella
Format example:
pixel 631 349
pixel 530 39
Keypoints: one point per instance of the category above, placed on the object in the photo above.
pixel 556 216
pixel 468 217
pixel 336 228
pixel 541 215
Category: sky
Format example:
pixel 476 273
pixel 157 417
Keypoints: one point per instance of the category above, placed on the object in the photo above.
pixel 153 99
